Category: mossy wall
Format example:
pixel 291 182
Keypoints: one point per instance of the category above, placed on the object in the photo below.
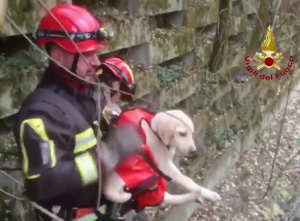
pixel 186 54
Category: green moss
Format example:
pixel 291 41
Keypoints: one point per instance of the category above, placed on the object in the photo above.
pixel 20 75
pixel 185 41
pixel 193 103
pixel 260 28
pixel 161 45
pixel 17 9
pixel 128 32
pixel 250 6
pixel 156 6
pixel 208 16
pixel 30 4
pixel 147 79
pixel 173 92
pixel 123 31
pixel 168 44
pixel 26 14
pixel 192 18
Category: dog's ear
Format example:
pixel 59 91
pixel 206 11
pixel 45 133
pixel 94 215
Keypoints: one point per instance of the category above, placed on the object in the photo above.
pixel 165 128
pixel 145 126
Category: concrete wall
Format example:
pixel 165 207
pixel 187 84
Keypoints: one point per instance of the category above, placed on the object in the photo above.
pixel 186 54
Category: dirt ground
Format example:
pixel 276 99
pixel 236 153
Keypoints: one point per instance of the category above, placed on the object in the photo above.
pixel 247 192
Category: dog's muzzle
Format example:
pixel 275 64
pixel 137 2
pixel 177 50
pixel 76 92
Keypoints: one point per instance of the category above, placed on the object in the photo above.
pixel 192 152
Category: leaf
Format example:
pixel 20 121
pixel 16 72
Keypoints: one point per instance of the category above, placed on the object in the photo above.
pixel 277 210
pixel 285 195
pixel 268 214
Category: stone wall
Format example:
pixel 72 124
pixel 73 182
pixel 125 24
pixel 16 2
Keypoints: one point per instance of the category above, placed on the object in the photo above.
pixel 186 54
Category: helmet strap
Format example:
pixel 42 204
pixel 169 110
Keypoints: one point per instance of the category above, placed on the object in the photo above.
pixel 74 63
pixel 113 92
pixel 80 85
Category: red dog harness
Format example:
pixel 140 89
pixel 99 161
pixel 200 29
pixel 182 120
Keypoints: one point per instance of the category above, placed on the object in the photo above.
pixel 140 173
pixel 134 117
pixel 146 186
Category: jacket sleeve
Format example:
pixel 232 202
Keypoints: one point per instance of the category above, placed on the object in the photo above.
pixel 51 168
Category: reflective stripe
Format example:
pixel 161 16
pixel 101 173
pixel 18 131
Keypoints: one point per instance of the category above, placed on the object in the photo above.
pixel 92 216
pixel 85 140
pixel 87 168
pixel 38 126
pixel 130 72
pixel 89 217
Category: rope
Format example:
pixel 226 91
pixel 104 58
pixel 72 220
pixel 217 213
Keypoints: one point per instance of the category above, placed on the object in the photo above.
pixel 35 205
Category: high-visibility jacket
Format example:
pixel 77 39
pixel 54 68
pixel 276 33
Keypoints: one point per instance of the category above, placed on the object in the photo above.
pixel 54 131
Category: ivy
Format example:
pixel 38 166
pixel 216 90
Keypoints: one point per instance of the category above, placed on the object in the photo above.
pixel 169 75
pixel 21 64
pixel 30 4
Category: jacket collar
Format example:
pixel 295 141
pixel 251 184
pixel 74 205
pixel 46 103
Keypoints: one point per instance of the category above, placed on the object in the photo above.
pixel 64 81
pixel 84 102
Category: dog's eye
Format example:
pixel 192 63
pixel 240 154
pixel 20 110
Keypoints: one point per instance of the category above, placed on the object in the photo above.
pixel 183 134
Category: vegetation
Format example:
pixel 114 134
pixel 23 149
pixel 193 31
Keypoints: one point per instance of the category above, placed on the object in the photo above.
pixel 248 125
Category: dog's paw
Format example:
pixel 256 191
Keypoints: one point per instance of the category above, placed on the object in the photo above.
pixel 126 197
pixel 210 195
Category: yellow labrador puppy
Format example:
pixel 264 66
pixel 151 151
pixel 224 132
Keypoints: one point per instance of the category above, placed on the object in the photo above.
pixel 169 131
pixel 172 131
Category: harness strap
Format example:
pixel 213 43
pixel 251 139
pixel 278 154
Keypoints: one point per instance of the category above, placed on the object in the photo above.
pixel 154 167
pixel 144 185
pixel 156 134
pixel 149 160
pixel 159 138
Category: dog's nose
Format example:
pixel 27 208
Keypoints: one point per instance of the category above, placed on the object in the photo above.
pixel 192 152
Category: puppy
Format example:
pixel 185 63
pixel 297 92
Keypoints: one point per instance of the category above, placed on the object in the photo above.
pixel 136 171
pixel 172 131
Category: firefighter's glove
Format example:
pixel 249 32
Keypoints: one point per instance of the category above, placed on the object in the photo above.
pixel 110 113
pixel 119 143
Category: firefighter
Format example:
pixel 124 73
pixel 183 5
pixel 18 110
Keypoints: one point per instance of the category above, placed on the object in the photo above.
pixel 116 74
pixel 55 126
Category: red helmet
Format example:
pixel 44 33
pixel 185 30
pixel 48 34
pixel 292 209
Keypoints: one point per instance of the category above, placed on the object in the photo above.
pixel 123 72
pixel 82 26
